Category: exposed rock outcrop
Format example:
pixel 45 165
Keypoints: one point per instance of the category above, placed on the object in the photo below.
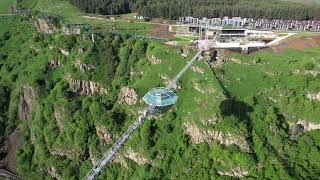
pixel 200 135
pixel 8 152
pixel 235 172
pixel 58 117
pixel 55 64
pixel 104 134
pixel 68 30
pixel 197 69
pixel 128 96
pixel 67 152
pixel 45 26
pixel 27 102
pixel 307 126
pixel 314 73
pixel 120 159
pixel 53 173
pixel 83 67
pixel 87 88
pixel 94 157
pixel 198 87
pixel 136 157
pixel 167 81
pixel 314 96
pixel 81 50
pixel 154 60
pixel 213 120
pixel 64 52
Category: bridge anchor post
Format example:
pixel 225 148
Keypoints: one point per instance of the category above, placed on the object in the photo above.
pixel 245 50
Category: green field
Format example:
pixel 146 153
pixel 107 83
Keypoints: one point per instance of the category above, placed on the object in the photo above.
pixel 273 77
pixel 5 6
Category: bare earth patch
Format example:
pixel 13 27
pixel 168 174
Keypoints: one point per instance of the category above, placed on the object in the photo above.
pixel 136 157
pixel 297 43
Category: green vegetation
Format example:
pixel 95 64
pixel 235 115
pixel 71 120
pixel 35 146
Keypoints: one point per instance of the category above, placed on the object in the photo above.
pixel 259 97
pixel 5 6
pixel 72 14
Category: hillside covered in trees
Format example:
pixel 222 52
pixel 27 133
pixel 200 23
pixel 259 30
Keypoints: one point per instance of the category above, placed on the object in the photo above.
pixel 71 99
pixel 172 9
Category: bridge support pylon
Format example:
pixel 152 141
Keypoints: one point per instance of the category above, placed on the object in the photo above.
pixel 245 50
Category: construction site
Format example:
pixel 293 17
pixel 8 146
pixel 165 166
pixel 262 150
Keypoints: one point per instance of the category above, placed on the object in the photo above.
pixel 231 34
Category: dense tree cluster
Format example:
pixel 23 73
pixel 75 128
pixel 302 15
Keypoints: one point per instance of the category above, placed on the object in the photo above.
pixel 172 9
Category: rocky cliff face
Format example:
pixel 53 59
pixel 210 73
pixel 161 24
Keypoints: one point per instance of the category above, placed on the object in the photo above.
pixel 104 134
pixel 8 152
pixel 235 172
pixel 83 67
pixel 45 26
pixel 27 102
pixel 54 173
pixel 199 135
pixel 87 88
pixel 63 151
pixel 136 157
pixel 128 96
pixel 55 64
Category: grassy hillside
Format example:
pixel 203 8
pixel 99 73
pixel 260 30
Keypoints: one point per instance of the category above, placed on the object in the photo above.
pixel 5 6
pixel 256 97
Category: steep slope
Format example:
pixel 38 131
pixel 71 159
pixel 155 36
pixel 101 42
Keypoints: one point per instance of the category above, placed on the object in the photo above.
pixel 71 99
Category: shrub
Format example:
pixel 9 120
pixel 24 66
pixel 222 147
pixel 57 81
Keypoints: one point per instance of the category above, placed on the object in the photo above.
pixel 309 66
